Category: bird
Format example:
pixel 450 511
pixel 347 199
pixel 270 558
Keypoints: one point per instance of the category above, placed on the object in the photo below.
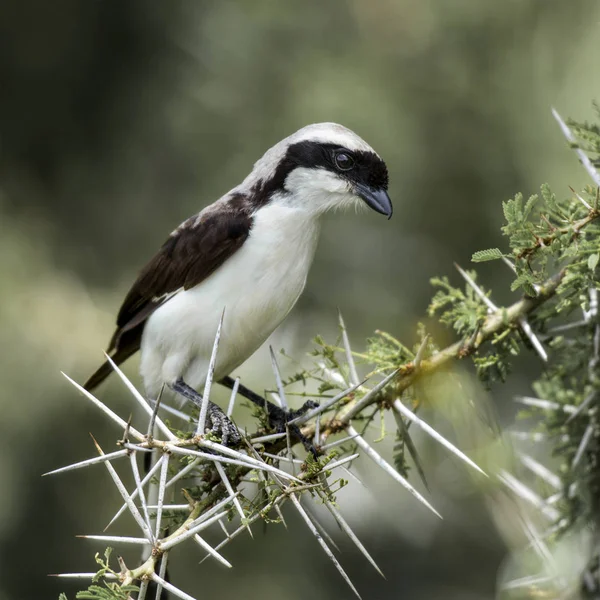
pixel 248 254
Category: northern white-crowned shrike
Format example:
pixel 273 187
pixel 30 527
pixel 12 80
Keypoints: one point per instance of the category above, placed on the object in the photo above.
pixel 249 253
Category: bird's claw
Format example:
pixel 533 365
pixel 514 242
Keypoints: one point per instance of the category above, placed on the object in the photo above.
pixel 279 419
pixel 219 423
pixel 223 426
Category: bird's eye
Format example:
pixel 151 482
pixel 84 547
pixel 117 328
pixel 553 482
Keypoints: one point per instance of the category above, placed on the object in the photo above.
pixel 344 161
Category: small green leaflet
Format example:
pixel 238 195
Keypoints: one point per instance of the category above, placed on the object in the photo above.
pixel 483 255
pixel 593 261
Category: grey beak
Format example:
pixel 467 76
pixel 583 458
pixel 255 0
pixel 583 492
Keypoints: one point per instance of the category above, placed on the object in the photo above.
pixel 378 200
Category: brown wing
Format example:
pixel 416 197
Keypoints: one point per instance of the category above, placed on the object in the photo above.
pixel 192 252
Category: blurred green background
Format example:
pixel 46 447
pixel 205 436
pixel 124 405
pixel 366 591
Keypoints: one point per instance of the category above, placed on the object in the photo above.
pixel 120 119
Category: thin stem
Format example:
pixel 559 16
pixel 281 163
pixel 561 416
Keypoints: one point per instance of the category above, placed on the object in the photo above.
pixel 209 379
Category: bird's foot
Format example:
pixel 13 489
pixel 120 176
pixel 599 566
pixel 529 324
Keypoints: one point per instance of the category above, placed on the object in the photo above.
pixel 279 419
pixel 219 423
pixel 223 426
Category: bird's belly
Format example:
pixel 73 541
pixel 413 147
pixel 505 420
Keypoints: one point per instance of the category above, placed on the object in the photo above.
pixel 256 287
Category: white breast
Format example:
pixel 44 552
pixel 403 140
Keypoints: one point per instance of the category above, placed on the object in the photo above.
pixel 257 286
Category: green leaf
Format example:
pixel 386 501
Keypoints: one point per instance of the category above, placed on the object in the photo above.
pixel 484 255
pixel 553 207
pixel 529 206
pixel 526 281
pixel 593 261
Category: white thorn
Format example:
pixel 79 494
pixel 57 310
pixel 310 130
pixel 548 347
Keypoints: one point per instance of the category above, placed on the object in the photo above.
pixel 535 342
pixel 326 405
pixel 243 457
pixel 336 378
pixel 535 436
pixel 280 515
pixel 583 406
pixel 183 472
pixel 137 448
pixel 162 485
pixel 152 423
pixel 276 399
pixel 171 588
pixel 512 267
pixel 538 543
pixel 540 470
pixel 404 411
pixel 509 264
pixel 173 507
pixel 143 590
pixel 383 464
pixel 144 481
pixel 582 200
pixel 525 493
pixel 490 305
pixel 204 518
pixel 161 574
pixel 567 327
pixel 349 358
pixel 354 476
pixel 223 528
pixel 404 436
pixel 366 399
pixel 554 498
pixel 135 513
pixel 212 551
pixel 344 525
pixel 82 575
pixel 321 541
pixel 288 442
pixel 267 438
pixel 242 528
pixel 296 461
pixel 249 463
pixel 420 353
pixel 140 490
pixel 338 463
pixel 141 400
pixel 585 161
pixel 585 440
pixel 173 411
pixel 282 399
pixel 530 581
pixel 118 539
pixel 89 461
pixel 544 404
pixel 209 379
pixel 236 385
pixel 331 445
pixel 107 411
pixel 231 492
pixel 593 312
pixel 191 532
pixel 321 529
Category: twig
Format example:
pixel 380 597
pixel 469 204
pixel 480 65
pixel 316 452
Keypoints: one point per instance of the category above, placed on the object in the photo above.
pixel 583 157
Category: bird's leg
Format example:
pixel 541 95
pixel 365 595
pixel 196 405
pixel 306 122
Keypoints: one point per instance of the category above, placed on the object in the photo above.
pixel 278 418
pixel 221 424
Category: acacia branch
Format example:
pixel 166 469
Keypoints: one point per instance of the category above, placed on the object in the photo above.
pixel 500 320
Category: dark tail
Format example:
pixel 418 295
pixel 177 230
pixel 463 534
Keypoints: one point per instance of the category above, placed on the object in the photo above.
pixel 98 377
pixel 105 369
